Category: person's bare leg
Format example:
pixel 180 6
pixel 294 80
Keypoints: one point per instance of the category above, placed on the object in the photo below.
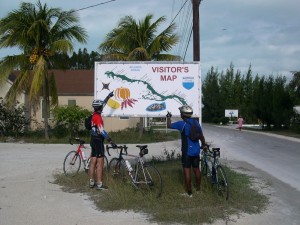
pixel 92 167
pixel 187 179
pixel 99 170
pixel 197 173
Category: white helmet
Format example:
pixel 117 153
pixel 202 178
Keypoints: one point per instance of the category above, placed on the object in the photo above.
pixel 186 110
pixel 97 104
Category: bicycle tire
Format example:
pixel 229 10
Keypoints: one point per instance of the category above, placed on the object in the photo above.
pixel 117 169
pixel 150 179
pixel 72 163
pixel 222 183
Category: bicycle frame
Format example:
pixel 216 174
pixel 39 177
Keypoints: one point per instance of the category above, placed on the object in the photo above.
pixel 214 154
pixel 217 172
pixel 143 176
pixel 138 164
pixel 139 161
pixel 80 152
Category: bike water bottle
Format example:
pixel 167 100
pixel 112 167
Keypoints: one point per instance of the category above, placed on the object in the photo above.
pixel 87 165
pixel 128 166
pixel 83 156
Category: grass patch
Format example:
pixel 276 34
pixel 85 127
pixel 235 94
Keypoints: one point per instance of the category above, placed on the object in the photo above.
pixel 205 206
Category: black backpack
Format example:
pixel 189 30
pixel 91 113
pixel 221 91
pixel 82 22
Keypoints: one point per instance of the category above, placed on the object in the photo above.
pixel 88 122
pixel 195 131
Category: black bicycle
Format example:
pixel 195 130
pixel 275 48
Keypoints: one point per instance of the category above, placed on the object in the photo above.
pixel 211 168
pixel 142 175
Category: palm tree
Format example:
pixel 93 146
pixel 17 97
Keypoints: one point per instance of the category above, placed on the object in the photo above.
pixel 137 41
pixel 41 33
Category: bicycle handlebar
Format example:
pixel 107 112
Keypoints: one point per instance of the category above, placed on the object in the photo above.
pixel 215 152
pixel 143 149
pixel 121 147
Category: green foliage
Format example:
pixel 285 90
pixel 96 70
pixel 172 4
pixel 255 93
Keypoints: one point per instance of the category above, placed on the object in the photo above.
pixel 211 96
pixel 71 117
pixel 82 60
pixel 294 87
pixel 265 99
pixel 135 40
pixel 12 119
pixel 60 130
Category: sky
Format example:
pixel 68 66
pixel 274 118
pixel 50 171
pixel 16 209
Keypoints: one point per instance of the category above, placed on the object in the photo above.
pixel 262 33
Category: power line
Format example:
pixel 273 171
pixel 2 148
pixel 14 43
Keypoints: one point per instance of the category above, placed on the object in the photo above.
pixel 93 6
pixel 187 45
pixel 179 11
pixel 184 27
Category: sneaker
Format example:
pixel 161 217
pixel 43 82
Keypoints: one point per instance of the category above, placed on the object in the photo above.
pixel 186 195
pixel 92 183
pixel 101 187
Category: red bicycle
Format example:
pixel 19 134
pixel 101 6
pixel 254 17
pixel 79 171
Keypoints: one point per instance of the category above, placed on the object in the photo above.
pixel 73 159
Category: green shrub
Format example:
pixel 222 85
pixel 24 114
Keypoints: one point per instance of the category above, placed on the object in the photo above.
pixel 12 119
pixel 60 131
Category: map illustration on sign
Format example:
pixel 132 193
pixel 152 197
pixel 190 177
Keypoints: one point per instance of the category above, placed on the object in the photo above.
pixel 148 89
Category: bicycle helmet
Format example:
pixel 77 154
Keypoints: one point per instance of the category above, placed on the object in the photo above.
pixel 186 111
pixel 97 104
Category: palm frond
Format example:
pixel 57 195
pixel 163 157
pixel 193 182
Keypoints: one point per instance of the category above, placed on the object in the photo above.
pixel 138 40
pixel 38 76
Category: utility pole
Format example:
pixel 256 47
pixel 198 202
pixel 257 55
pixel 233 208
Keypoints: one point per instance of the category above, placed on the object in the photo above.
pixel 196 33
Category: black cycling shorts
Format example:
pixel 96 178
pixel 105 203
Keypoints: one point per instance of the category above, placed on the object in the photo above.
pixel 190 161
pixel 97 146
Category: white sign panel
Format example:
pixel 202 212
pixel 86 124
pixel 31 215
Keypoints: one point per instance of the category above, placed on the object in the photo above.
pixel 231 113
pixel 146 89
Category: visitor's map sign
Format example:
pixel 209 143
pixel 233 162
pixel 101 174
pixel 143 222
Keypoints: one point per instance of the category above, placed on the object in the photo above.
pixel 146 89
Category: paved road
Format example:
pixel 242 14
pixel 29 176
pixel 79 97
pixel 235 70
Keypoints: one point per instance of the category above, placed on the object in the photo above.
pixel 27 196
pixel 274 160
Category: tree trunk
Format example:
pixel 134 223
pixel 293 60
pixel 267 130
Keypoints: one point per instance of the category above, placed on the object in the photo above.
pixel 46 101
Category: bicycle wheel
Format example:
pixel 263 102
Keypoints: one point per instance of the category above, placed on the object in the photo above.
pixel 117 169
pixel 72 163
pixel 222 184
pixel 149 178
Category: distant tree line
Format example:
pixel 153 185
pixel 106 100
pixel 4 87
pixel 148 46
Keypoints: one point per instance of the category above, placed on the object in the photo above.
pixel 82 60
pixel 260 99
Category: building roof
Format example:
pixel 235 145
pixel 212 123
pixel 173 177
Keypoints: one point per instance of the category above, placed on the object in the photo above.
pixel 70 82
pixel 74 82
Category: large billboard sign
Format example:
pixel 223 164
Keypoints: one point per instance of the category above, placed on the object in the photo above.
pixel 148 89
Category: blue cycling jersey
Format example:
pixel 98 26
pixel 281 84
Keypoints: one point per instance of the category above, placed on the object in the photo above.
pixel 192 148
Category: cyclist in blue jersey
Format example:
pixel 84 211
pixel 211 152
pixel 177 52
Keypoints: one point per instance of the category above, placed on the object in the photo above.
pixel 190 149
pixel 98 135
